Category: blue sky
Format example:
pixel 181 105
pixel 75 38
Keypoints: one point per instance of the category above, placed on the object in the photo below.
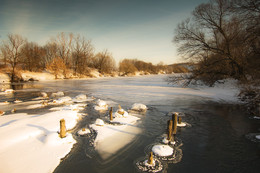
pixel 141 29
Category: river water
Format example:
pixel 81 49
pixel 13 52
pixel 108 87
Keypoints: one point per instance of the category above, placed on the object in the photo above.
pixel 214 142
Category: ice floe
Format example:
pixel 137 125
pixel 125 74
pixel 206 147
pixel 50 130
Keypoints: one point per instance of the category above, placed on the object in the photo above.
pixel 162 150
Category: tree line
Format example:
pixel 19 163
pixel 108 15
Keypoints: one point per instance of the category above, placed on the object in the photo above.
pixel 222 39
pixel 68 54
pixel 64 54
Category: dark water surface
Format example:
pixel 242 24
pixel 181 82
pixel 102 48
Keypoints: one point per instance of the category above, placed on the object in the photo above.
pixel 215 142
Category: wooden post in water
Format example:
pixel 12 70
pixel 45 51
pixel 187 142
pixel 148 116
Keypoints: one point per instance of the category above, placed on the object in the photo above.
pixel 150 160
pixel 179 120
pixel 170 124
pixel 62 128
pixel 174 118
pixel 111 113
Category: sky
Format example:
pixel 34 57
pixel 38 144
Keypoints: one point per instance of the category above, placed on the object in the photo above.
pixel 141 29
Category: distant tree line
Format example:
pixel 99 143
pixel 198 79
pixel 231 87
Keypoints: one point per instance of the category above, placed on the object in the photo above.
pixel 69 54
pixel 222 39
pixel 132 66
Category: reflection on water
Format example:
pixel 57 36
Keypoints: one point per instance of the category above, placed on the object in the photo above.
pixel 215 142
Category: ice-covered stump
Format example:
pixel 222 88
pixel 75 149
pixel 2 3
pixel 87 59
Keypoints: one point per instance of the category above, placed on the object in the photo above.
pixel 13 110
pixel 83 131
pixel 62 128
pixel 162 150
pixel 18 101
pixel 148 165
pixel 2 112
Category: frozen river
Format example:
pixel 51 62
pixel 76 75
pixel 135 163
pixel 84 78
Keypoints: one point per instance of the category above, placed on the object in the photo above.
pixel 215 141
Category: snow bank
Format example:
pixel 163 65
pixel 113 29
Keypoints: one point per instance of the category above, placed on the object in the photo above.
pixel 111 138
pixel 139 107
pixel 30 143
pixel 39 76
pixel 162 150
pixel 4 78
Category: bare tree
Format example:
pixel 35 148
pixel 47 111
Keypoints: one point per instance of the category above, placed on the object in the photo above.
pixel 57 66
pixel 127 67
pixel 214 31
pixel 32 56
pixel 64 43
pixel 104 62
pixel 83 52
pixel 51 51
pixel 11 48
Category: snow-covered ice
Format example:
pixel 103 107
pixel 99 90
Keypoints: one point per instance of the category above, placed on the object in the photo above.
pixel 101 105
pixel 111 138
pixel 99 122
pixel 31 143
pixel 58 94
pixel 82 98
pixel 182 124
pixel 162 150
pixel 63 100
pixel 166 141
pixel 139 107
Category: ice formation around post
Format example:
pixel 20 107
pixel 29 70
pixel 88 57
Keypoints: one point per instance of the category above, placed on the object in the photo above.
pixel 162 150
